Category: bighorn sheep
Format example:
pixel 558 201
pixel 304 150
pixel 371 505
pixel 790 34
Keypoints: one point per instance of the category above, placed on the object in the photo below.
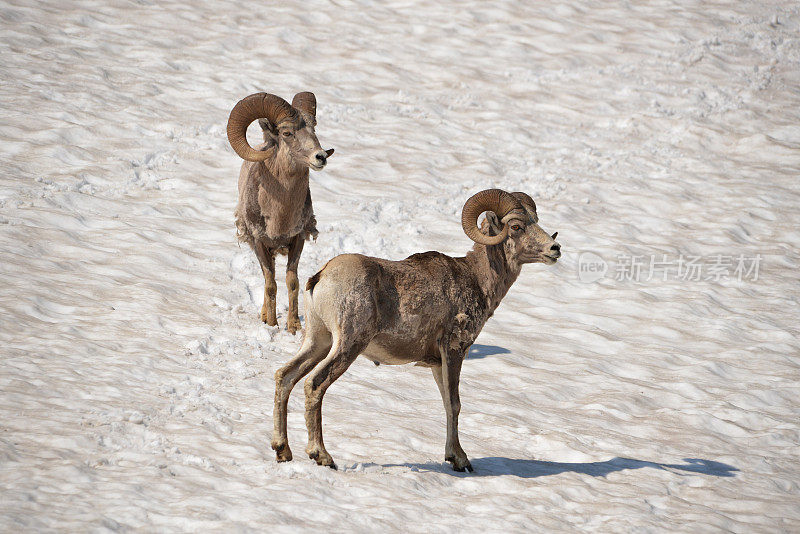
pixel 274 213
pixel 427 309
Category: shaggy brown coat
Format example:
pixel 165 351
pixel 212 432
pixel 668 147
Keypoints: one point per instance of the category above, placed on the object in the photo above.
pixel 274 213
pixel 427 309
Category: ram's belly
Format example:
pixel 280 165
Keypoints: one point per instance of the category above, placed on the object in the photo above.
pixel 392 350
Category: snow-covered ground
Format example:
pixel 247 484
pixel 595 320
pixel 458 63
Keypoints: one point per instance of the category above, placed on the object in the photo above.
pixel 136 383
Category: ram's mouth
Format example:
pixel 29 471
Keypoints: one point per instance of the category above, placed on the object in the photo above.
pixel 316 167
pixel 550 259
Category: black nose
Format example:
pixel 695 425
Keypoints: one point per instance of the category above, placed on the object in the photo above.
pixel 321 157
pixel 556 247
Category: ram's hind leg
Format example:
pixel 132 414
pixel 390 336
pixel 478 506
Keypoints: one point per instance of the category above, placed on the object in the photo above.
pixel 316 345
pixel 295 249
pixel 266 257
pixel 343 353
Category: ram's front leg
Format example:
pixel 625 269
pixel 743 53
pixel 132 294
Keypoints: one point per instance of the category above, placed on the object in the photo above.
pixel 447 378
pixel 266 257
pixel 292 283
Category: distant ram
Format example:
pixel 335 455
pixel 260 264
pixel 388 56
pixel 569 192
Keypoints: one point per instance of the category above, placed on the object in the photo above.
pixel 274 213
pixel 427 309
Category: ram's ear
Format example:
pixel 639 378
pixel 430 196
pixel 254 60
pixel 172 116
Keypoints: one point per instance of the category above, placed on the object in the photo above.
pixel 269 130
pixel 492 224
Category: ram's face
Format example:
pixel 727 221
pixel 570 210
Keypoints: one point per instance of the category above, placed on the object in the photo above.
pixel 526 241
pixel 529 243
pixel 300 140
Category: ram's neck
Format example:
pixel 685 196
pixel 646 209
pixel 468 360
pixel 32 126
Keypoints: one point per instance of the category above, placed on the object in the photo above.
pixel 496 273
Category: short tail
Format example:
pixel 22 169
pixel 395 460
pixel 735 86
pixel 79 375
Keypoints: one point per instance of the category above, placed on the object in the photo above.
pixel 313 281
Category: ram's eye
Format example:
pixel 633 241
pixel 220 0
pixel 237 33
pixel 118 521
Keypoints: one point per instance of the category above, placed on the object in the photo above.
pixel 516 227
pixel 287 134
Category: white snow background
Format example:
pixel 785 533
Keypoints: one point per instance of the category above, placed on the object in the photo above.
pixel 136 384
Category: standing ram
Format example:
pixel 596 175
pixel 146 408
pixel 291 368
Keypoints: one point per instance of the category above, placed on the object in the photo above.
pixel 274 213
pixel 427 309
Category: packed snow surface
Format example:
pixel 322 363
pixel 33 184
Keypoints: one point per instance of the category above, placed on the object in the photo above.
pixel 136 384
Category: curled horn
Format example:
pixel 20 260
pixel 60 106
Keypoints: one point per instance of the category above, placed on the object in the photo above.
pixel 527 203
pixel 526 200
pixel 305 101
pixel 256 106
pixel 495 200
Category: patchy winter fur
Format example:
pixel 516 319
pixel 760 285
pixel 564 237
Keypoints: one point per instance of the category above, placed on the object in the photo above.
pixel 427 309
pixel 274 213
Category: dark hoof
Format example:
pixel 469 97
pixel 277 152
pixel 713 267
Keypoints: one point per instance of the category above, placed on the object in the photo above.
pixel 282 453
pixel 323 459
pixel 294 326
pixel 456 467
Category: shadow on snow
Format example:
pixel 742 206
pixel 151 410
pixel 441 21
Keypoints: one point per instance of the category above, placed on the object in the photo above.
pixel 496 466
pixel 477 351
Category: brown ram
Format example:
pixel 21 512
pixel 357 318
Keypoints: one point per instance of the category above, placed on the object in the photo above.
pixel 274 213
pixel 427 309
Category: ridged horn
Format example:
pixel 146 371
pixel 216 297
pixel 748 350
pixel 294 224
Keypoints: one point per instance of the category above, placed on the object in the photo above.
pixel 256 106
pixel 305 101
pixel 495 200
pixel 527 202
pixel 525 199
